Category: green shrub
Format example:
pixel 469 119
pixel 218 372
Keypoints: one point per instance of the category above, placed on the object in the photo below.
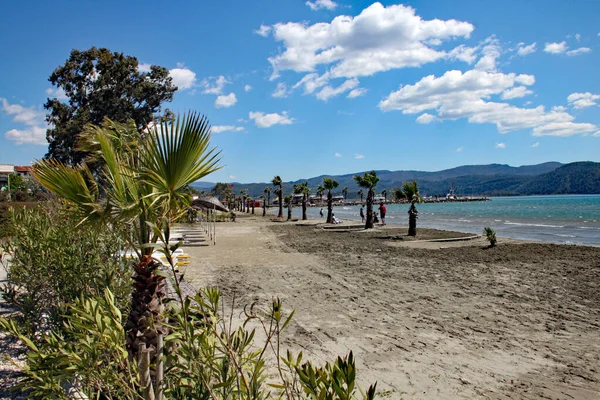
pixel 54 261
pixel 490 235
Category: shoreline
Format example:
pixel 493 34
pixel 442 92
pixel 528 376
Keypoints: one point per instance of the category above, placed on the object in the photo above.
pixel 427 320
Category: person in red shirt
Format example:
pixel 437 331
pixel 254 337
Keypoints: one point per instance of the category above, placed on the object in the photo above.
pixel 382 211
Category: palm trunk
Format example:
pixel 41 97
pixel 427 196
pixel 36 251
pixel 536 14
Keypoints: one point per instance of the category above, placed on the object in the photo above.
pixel 252 207
pixel 329 207
pixel 304 217
pixel 280 215
pixel 290 205
pixel 369 221
pixel 412 220
pixel 264 207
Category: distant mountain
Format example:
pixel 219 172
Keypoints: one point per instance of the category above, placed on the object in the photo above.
pixel 206 186
pixel 467 180
pixel 574 178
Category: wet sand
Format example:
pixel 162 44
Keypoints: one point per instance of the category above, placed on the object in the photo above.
pixel 426 320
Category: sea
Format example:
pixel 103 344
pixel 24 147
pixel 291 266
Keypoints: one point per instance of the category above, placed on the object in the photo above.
pixel 567 219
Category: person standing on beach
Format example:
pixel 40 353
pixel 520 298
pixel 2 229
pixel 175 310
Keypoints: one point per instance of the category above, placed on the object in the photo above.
pixel 321 212
pixel 382 211
pixel 362 213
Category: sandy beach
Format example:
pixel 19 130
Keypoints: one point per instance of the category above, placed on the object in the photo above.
pixel 426 320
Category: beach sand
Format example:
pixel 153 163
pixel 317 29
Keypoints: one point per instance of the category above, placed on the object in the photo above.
pixel 426 320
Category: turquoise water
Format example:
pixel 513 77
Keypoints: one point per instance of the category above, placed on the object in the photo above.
pixel 572 219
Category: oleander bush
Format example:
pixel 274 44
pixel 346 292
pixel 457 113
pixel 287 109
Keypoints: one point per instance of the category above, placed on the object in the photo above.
pixel 54 261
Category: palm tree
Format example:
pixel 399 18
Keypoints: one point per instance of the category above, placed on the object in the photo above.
pixel 277 182
pixel 345 193
pixel 252 200
pixel 360 193
pixel 320 191
pixel 243 197
pixel 267 192
pixel 368 181
pixel 411 192
pixel 288 200
pixel 384 194
pixel 141 183
pixel 398 194
pixel 329 184
pixel 304 190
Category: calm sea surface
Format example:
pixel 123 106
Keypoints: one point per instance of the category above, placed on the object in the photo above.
pixel 571 219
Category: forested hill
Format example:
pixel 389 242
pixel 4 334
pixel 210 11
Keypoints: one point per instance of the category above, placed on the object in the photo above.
pixel 469 180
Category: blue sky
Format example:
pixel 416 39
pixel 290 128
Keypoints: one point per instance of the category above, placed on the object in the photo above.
pixel 304 88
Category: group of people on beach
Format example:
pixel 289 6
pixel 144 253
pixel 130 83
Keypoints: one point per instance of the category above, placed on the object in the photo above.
pixel 382 212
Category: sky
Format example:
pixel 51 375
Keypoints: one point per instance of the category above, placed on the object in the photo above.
pixel 323 87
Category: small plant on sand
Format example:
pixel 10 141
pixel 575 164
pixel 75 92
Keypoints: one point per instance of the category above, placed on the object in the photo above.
pixel 490 236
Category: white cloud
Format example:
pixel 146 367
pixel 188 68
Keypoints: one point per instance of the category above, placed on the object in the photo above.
pixel 34 120
pixel 359 156
pixel 467 95
pixel 247 88
pixel 214 85
pixel 556 48
pixel 491 52
pixel 337 155
pixel 579 51
pixel 524 50
pixel 516 92
pixel 463 53
pixel 318 4
pixel 263 31
pixel 354 93
pixel 232 177
pixel 281 91
pixel 328 92
pixel 578 37
pixel 57 93
pixel 459 149
pixel 378 39
pixel 559 108
pixel 183 78
pixel 225 101
pixel 263 120
pixel 425 118
pixel 500 145
pixel 536 144
pixel 225 128
pixel 144 67
pixel 583 100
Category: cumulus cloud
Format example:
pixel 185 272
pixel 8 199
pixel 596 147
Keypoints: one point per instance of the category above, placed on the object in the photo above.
pixel 467 95
pixel 556 48
pixel 524 50
pixel 516 92
pixel 357 93
pixel 459 149
pixel 183 78
pixel 34 121
pixel 57 93
pixel 583 100
pixel 337 155
pixel 328 92
pixel 280 91
pixel 579 51
pixel 225 128
pixel 425 118
pixel 213 85
pixel 232 177
pixel 500 145
pixel 225 101
pixel 144 67
pixel 359 156
pixel 263 31
pixel 463 53
pixel 378 39
pixel 247 88
pixel 318 4
pixel 491 52
pixel 263 120
pixel 536 144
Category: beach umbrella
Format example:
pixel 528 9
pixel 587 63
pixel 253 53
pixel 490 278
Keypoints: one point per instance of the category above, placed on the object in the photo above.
pixel 209 202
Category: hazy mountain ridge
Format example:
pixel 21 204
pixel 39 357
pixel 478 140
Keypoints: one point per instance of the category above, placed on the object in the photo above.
pixel 468 180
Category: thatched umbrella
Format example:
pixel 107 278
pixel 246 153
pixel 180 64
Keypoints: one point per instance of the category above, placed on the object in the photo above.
pixel 212 203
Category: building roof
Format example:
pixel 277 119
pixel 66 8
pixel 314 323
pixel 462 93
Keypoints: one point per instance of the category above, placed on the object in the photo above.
pixel 23 168
pixel 7 169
